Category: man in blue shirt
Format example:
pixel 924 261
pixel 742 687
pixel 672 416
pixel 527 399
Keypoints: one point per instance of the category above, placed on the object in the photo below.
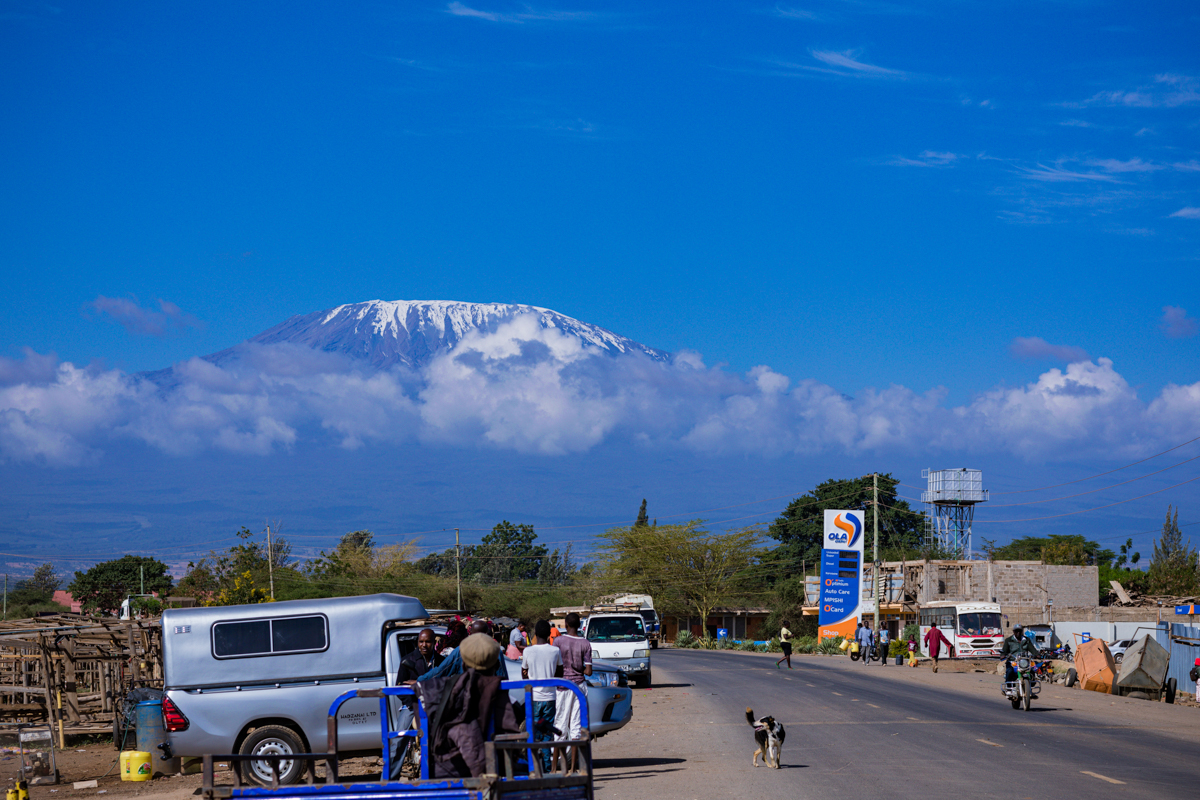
pixel 863 637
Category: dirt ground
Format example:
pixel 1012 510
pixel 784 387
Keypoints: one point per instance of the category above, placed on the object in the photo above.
pixel 98 760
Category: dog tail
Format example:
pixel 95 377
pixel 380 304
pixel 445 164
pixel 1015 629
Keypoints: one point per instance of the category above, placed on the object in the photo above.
pixel 750 716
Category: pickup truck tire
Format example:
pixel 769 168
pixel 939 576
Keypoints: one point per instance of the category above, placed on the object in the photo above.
pixel 654 644
pixel 1170 689
pixel 644 681
pixel 272 739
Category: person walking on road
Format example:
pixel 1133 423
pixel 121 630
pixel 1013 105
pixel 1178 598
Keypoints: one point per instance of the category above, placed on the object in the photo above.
pixel 785 644
pixel 934 639
pixel 863 637
pixel 577 665
pixel 882 640
pixel 538 662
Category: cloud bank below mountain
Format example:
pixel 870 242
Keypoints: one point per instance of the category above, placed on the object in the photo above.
pixel 531 389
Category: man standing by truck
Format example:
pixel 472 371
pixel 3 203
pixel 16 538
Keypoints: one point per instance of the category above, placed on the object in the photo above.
pixel 421 660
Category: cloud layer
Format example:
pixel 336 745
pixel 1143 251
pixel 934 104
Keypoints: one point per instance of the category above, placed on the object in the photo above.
pixel 534 390
pixel 139 321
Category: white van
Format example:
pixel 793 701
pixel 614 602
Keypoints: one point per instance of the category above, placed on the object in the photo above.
pixel 620 641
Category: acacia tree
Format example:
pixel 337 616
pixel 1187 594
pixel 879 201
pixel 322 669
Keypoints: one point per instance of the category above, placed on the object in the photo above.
pixel 684 567
pixel 358 564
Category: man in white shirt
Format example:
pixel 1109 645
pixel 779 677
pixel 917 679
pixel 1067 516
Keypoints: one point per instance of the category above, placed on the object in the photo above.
pixel 538 662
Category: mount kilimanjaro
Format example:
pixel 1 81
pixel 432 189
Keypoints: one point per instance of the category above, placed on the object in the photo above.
pixel 413 332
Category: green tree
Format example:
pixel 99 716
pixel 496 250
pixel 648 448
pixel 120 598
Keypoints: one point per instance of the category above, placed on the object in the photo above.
pixel 44 581
pixel 1173 565
pixel 800 528
pixel 358 566
pixel 1128 555
pixel 684 567
pixel 219 571
pixel 509 554
pixel 643 519
pixel 1069 549
pixel 104 586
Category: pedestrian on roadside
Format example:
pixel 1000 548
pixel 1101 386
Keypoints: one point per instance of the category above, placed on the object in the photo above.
pixel 864 642
pixel 785 644
pixel 576 666
pixel 882 640
pixel 1195 675
pixel 912 651
pixel 540 661
pixel 934 639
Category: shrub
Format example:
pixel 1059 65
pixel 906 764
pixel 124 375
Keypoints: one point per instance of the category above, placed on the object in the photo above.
pixel 686 639
pixel 804 645
pixel 897 648
pixel 830 647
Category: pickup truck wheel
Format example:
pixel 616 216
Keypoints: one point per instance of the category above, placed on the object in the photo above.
pixel 272 740
pixel 644 681
pixel 1170 689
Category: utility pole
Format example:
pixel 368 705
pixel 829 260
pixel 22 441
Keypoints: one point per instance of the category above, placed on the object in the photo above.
pixel 875 571
pixel 270 561
pixel 142 574
pixel 458 568
pixel 6 595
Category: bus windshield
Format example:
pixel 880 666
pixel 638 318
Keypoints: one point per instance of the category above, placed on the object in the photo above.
pixel 615 629
pixel 986 623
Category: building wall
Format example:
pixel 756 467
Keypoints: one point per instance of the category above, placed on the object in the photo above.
pixel 1022 583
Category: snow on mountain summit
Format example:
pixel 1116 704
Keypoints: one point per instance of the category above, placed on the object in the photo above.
pixel 412 332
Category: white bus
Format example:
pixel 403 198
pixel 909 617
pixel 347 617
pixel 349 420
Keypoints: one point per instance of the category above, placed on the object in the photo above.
pixel 974 629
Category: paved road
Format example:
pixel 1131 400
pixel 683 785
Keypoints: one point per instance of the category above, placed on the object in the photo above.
pixel 890 731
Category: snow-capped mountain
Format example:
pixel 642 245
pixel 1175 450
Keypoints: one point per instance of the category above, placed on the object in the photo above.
pixel 412 332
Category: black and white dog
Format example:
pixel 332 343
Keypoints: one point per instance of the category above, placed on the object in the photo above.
pixel 769 735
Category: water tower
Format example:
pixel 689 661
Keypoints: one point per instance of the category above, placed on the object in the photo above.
pixel 951 495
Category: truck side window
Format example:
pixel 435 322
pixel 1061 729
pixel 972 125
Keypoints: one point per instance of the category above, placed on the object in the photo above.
pixel 297 633
pixel 259 637
pixel 231 639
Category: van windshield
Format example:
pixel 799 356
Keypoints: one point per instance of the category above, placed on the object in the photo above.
pixel 615 629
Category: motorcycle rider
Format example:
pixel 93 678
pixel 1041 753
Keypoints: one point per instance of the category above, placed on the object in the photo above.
pixel 1014 645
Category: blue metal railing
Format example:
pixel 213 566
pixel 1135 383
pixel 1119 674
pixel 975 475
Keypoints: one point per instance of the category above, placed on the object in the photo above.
pixel 422 733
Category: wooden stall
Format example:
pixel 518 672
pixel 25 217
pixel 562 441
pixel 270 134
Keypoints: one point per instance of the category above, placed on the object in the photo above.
pixel 73 670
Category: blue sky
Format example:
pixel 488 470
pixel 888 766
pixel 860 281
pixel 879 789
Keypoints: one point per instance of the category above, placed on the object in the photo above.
pixel 861 194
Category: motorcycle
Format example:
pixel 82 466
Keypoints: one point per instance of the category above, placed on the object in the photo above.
pixel 1025 688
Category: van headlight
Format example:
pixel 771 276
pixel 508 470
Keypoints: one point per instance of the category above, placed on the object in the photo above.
pixel 641 653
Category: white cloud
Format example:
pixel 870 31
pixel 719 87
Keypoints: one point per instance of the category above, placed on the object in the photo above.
pixel 1132 165
pixel 143 321
pixel 846 62
pixel 1176 324
pixel 536 390
pixel 1058 174
pixel 1187 212
pixel 928 158
pixel 528 14
pixel 1035 348
pixel 1168 91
